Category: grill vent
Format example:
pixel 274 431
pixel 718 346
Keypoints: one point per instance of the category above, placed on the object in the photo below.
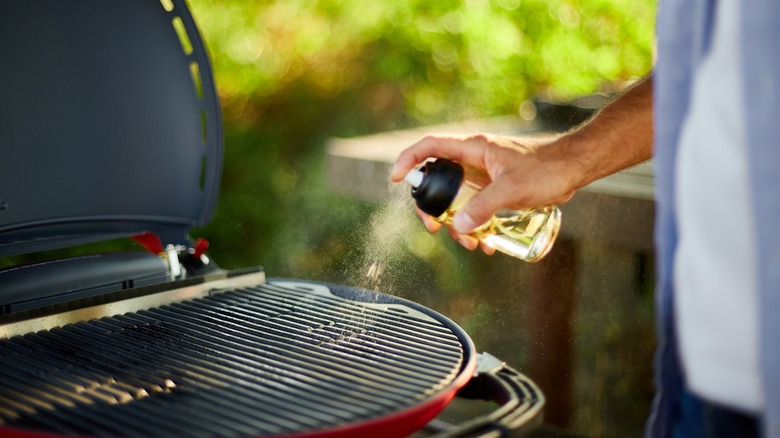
pixel 271 359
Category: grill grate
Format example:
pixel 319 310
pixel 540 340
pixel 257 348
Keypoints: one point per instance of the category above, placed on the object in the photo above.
pixel 272 359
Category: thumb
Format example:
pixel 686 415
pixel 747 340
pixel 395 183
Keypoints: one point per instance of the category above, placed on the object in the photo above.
pixel 463 222
pixel 475 212
pixel 484 204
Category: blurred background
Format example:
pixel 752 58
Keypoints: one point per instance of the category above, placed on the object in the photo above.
pixel 294 74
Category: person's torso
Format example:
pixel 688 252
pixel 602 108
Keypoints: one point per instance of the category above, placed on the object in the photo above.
pixel 714 268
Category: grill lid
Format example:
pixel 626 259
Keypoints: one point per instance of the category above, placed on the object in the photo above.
pixel 109 126
pixel 277 359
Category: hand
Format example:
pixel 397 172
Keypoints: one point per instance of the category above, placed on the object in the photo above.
pixel 519 175
pixel 467 241
pixel 512 174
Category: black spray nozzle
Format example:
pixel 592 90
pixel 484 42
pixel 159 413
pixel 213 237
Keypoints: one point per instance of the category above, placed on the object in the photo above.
pixel 439 186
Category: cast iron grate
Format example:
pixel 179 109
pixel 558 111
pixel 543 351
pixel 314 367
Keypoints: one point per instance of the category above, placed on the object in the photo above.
pixel 272 359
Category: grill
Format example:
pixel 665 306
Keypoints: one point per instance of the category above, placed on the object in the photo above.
pixel 112 129
pixel 279 358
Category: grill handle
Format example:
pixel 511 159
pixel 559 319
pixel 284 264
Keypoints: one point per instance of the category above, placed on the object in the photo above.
pixel 520 403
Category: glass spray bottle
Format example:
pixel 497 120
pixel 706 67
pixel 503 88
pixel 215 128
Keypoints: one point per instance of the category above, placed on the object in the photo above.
pixel 440 190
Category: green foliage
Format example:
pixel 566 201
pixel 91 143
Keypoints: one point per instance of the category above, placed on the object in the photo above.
pixel 428 60
pixel 292 73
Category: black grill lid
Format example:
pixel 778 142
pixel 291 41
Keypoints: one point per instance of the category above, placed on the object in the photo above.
pixel 109 123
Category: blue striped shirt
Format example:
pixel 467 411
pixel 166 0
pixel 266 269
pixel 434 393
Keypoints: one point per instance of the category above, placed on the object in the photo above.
pixel 684 32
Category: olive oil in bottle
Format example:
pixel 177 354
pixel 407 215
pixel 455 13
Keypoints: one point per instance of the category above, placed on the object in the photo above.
pixel 440 190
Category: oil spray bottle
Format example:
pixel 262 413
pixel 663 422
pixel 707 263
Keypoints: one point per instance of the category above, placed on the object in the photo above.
pixel 440 190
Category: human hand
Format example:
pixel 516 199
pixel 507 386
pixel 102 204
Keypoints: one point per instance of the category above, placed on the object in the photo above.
pixel 467 241
pixel 513 175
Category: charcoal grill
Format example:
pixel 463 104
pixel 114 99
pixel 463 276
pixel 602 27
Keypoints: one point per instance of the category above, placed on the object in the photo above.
pixel 111 128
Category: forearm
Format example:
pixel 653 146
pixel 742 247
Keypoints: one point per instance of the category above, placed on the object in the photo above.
pixel 619 136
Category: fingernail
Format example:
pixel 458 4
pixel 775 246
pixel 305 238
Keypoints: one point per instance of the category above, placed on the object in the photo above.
pixel 392 172
pixel 463 222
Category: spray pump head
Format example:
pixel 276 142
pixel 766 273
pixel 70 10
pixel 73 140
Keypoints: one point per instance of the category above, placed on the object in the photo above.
pixel 435 185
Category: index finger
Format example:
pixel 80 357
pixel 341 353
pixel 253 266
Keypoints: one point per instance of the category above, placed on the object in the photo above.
pixel 468 149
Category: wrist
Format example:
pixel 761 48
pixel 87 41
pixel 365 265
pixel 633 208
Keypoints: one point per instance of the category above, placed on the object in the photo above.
pixel 571 157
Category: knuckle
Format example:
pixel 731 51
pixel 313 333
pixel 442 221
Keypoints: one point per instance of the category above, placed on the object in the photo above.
pixel 431 138
pixel 479 204
pixel 481 138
